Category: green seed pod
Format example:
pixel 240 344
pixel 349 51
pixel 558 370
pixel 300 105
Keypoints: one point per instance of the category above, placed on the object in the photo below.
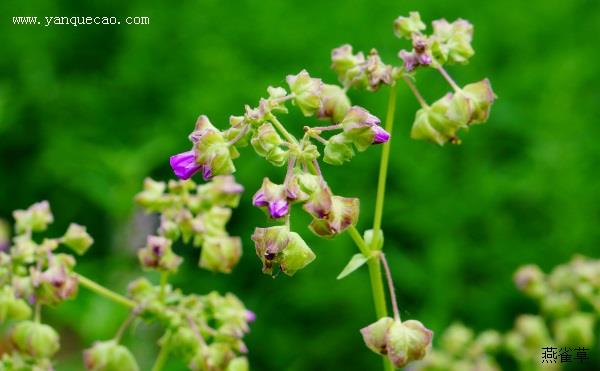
pixel 451 42
pixel 342 214
pixel 77 239
pixel 338 150
pixel 531 280
pixel 533 331
pixel 481 96
pixel 575 330
pixel 559 304
pixel 407 341
pixel 220 254
pixel 375 335
pixel 36 339
pixel 405 27
pixel 12 308
pixel 36 218
pixel 267 143
pixel 109 356
pixel 279 246
pixel 457 338
pixel 334 103
pixel 238 364
pixel 158 255
pixel 153 197
pixel 307 92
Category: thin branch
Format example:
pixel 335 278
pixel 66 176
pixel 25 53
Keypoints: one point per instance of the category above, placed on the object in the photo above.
pixel 390 283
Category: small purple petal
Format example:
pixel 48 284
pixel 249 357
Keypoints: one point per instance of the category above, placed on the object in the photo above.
pixel 259 199
pixel 381 136
pixel 372 120
pixel 250 316
pixel 184 165
pixel 206 172
pixel 278 209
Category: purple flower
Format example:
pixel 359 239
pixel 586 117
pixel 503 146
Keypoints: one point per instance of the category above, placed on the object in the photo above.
pixel 381 136
pixel 275 198
pixel 184 165
pixel 250 316
pixel 279 208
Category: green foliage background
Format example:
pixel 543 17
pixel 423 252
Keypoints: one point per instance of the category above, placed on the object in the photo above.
pixel 87 112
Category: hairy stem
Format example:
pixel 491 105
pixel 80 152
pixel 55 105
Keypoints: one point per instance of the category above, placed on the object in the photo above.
pixel 390 283
pixel 383 167
pixel 103 291
pixel 416 92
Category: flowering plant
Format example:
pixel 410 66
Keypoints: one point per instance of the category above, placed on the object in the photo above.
pixel 349 129
pixel 207 330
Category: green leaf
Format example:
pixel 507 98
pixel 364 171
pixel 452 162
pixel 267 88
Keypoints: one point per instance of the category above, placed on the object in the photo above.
pixel 355 262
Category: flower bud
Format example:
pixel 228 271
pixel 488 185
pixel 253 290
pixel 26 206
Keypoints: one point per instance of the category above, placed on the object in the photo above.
pixel 36 218
pixel 533 331
pixel 347 65
pixel 363 129
pixel 488 341
pixel 108 355
pixel 238 364
pixel 279 246
pixel 222 190
pixel 12 308
pixel 434 124
pixel 168 229
pixel 220 254
pixel 57 283
pixel 184 164
pixel 375 335
pixel 405 27
pixel 338 150
pixel 152 196
pixel 407 341
pixel 4 236
pixel 35 339
pixel 481 97
pixel 216 356
pixel 451 42
pixel 577 329
pixel 342 214
pixel 267 143
pixel 334 103
pixel 378 73
pixel 307 92
pixel 157 254
pixel 530 280
pixel 274 198
pixel 559 304
pixel 77 238
pixel 457 338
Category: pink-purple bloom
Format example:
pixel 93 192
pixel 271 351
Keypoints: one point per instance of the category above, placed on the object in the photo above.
pixel 381 136
pixel 275 198
pixel 184 165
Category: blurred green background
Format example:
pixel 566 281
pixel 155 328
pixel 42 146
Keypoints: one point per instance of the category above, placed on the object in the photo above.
pixel 87 112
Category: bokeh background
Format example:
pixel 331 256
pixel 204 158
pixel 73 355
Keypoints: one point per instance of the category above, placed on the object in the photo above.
pixel 87 112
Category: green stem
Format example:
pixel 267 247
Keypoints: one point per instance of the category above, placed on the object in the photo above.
pixel 163 354
pixel 164 279
pixel 282 129
pixel 124 326
pixel 383 167
pixel 38 312
pixel 103 291
pixel 449 79
pixel 415 91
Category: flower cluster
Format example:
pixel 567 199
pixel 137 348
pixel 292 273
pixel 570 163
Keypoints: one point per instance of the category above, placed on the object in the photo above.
pixel 449 43
pixel 353 127
pixel 204 330
pixel 196 214
pixel 33 274
pixel 566 296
